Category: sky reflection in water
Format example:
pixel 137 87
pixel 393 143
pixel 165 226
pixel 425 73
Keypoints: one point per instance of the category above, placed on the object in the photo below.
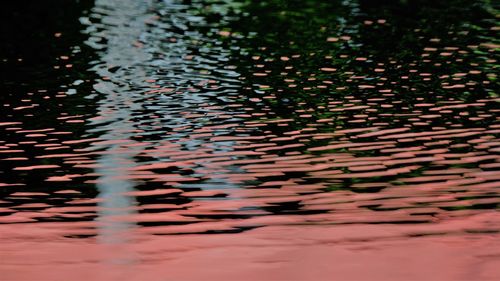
pixel 280 140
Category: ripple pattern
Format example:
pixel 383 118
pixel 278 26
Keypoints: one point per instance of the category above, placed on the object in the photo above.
pixel 199 117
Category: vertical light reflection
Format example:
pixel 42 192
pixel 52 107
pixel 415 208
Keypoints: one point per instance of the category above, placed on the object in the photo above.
pixel 120 25
pixel 131 52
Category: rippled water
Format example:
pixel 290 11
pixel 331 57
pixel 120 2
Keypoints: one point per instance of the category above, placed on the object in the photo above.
pixel 256 140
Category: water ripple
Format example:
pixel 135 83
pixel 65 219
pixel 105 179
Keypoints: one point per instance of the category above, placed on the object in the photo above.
pixel 212 117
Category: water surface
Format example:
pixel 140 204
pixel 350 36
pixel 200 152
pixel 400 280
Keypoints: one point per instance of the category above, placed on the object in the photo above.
pixel 244 140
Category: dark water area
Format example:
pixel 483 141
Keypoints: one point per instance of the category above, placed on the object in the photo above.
pixel 249 140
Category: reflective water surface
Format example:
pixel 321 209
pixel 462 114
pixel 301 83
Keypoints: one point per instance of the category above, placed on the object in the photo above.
pixel 249 140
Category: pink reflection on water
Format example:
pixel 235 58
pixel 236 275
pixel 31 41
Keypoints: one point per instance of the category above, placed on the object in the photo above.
pixel 445 251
